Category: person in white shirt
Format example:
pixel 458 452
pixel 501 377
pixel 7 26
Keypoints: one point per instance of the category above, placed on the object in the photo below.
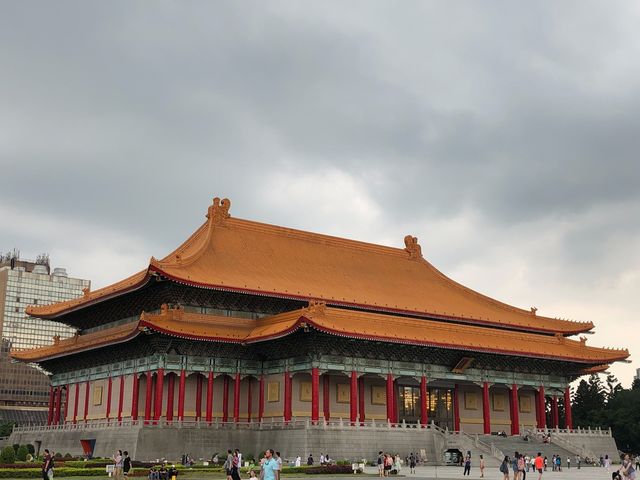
pixel 298 461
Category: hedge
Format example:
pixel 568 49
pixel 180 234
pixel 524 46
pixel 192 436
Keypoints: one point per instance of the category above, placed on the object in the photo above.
pixel 58 472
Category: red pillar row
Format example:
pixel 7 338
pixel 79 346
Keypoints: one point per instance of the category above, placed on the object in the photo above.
pixel 486 412
pixel 456 408
pixel 567 408
pixel 134 398
pixel 181 388
pixel 353 398
pixel 515 411
pixel 326 406
pixel 287 396
pixel 86 401
pixel 121 398
pixel 361 400
pixel 390 397
pixel 52 401
pixel 75 403
pixel 236 399
pixel 209 407
pixel 261 398
pixel 147 398
pixel 542 408
pixel 424 394
pixel 315 395
pixel 109 389
pixel 225 398
pixel 198 396
pixel 171 387
pixel 249 399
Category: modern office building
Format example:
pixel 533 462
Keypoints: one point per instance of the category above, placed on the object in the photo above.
pixel 24 389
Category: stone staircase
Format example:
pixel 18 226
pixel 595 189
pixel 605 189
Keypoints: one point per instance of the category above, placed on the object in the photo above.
pixel 509 445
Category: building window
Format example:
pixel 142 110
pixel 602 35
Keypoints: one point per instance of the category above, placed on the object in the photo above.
pixel 18 299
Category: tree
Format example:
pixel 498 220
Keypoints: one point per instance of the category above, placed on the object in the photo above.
pixel 623 415
pixel 613 386
pixel 8 455
pixel 588 403
pixel 22 453
pixel 635 385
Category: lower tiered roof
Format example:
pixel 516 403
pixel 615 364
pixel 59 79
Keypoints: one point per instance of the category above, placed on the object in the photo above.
pixel 176 322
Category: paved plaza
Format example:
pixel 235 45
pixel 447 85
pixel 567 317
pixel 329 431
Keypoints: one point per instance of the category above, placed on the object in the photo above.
pixel 584 473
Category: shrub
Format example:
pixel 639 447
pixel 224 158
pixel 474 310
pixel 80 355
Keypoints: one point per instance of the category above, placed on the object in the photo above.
pixel 32 449
pixel 22 453
pixel 59 472
pixel 16 446
pixel 8 455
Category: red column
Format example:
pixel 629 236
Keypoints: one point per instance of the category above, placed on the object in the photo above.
pixel 198 396
pixel 171 388
pixel 134 397
pixel 287 396
pixel 86 401
pixel 395 401
pixel 147 398
pixel 52 400
pixel 121 398
pixel 261 398
pixel 567 408
pixel 326 392
pixel 554 412
pixel 209 411
pixel 58 409
pixel 249 399
pixel 361 401
pixel 424 395
pixel 456 408
pixel 542 408
pixel 157 407
pixel 66 404
pixel 109 387
pixel 515 411
pixel 236 399
pixel 389 397
pixel 75 403
pixel 225 399
pixel 181 388
pixel 353 399
pixel 486 412
pixel 315 395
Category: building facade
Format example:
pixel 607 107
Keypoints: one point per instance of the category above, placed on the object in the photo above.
pixel 24 390
pixel 253 324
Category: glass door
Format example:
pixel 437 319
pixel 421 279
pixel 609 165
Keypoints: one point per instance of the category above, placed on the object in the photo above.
pixel 409 404
pixel 440 407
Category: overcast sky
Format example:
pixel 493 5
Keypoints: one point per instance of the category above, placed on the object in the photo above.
pixel 504 135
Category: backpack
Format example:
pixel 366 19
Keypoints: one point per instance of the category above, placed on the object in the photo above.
pixel 504 468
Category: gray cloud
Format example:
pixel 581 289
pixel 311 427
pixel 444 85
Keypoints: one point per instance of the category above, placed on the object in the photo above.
pixel 504 135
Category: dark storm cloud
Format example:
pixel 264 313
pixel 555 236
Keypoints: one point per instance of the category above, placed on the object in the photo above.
pixel 497 131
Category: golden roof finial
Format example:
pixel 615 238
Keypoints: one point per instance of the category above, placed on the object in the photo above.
pixel 534 310
pixel 317 307
pixel 219 210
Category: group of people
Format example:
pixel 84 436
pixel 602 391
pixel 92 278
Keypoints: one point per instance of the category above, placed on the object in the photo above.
pixel 520 464
pixel 122 464
pixel 163 473
pixel 390 464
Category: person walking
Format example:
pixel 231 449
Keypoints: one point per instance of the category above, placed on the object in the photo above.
pixel 310 459
pixel 481 466
pixel 118 460
pixel 380 464
pixel 467 464
pixel 606 463
pixel 126 464
pixel 47 466
pixel 568 463
pixel 627 470
pixel 514 466
pixel 269 466
pixel 235 469
pixel 279 462
pixel 504 468
pixel 538 464
pixel 412 463
pixel 228 464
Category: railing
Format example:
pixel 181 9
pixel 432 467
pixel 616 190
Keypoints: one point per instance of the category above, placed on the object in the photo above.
pixel 575 431
pixel 270 424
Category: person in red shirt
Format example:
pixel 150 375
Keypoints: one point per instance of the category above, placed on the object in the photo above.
pixel 539 464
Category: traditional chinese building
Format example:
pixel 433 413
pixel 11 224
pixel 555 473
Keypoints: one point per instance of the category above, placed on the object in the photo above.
pixel 250 324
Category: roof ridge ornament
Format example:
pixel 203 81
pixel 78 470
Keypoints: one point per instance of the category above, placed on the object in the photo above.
pixel 219 210
pixel 173 313
pixel 412 247
pixel 317 307
pixel 533 311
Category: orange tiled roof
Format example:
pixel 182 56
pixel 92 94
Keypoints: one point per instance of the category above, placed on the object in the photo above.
pixel 246 256
pixel 341 322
